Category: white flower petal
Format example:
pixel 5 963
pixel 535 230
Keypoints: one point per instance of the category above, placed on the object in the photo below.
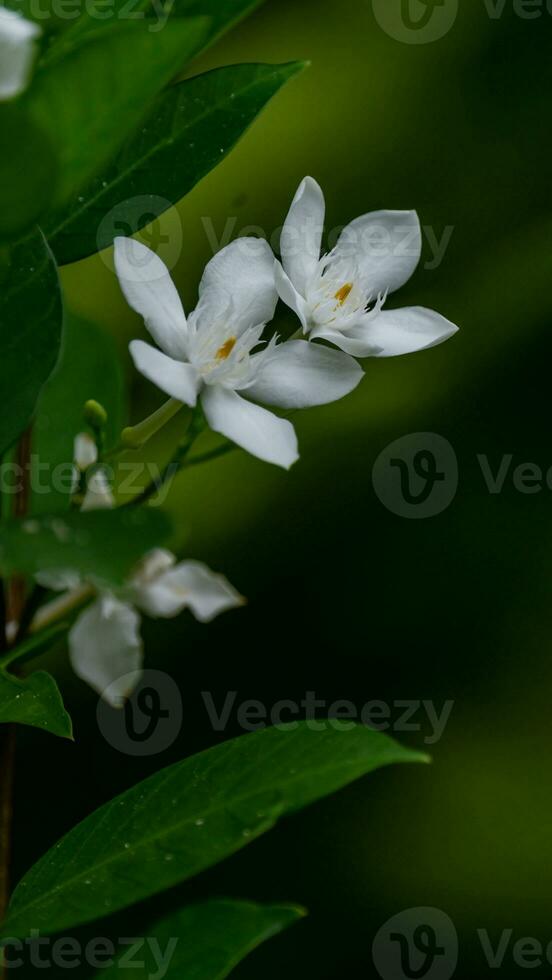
pixel 289 295
pixel 18 38
pixel 150 291
pixel 239 282
pixel 394 332
pixel 173 377
pixel 105 646
pixel 253 428
pixel 301 237
pixel 410 329
pixel 383 249
pixel 299 374
pixel 98 494
pixel 357 341
pixel 58 579
pixel 155 562
pixel 189 584
pixel 85 451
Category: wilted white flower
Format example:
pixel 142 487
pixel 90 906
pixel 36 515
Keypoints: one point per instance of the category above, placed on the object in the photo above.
pixel 105 645
pixel 18 38
pixel 214 354
pixel 339 297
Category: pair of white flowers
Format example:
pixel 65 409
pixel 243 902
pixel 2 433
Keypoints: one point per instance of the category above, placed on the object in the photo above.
pixel 105 646
pixel 217 354
pixel 18 40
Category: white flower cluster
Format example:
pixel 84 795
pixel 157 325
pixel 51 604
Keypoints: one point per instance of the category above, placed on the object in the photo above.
pixel 217 354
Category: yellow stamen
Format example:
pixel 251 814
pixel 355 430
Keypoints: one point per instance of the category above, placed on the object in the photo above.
pixel 226 349
pixel 343 294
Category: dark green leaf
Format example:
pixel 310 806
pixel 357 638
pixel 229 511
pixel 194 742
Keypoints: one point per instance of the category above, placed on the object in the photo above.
pixel 35 701
pixel 222 14
pixel 101 545
pixel 89 367
pixel 206 942
pixel 30 331
pixel 190 816
pixel 90 100
pixel 189 130
pixel 25 187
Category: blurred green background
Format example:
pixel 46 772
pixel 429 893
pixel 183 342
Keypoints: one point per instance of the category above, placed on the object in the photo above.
pixel 345 598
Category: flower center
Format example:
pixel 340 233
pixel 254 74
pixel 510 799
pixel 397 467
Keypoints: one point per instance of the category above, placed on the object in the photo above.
pixel 343 294
pixel 226 349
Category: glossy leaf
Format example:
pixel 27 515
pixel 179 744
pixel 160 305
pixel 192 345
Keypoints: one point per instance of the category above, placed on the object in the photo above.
pixel 206 942
pixel 31 317
pixel 188 817
pixel 101 545
pixel 25 187
pixel 35 701
pixel 91 99
pixel 190 129
pixel 89 367
pixel 222 14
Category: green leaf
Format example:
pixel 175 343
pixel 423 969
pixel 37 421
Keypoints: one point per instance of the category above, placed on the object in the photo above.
pixel 188 817
pixel 89 367
pixel 31 317
pixel 206 942
pixel 189 130
pixel 101 545
pixel 92 98
pixel 156 169
pixel 222 14
pixel 25 188
pixel 35 701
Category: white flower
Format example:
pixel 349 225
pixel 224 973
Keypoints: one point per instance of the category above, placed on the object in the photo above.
pixel 18 39
pixel 212 354
pixel 340 297
pixel 105 645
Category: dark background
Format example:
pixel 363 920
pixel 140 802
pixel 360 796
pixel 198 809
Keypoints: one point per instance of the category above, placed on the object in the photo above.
pixel 345 598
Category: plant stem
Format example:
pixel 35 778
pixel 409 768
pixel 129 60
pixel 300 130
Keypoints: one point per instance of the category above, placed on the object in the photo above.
pixel 176 463
pixel 135 436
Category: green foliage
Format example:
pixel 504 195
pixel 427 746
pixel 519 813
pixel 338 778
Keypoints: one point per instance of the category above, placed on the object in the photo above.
pixel 30 331
pixel 189 130
pixel 188 817
pixel 222 14
pixel 88 367
pixel 100 545
pixel 209 940
pixel 25 188
pixel 88 101
pixel 35 701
